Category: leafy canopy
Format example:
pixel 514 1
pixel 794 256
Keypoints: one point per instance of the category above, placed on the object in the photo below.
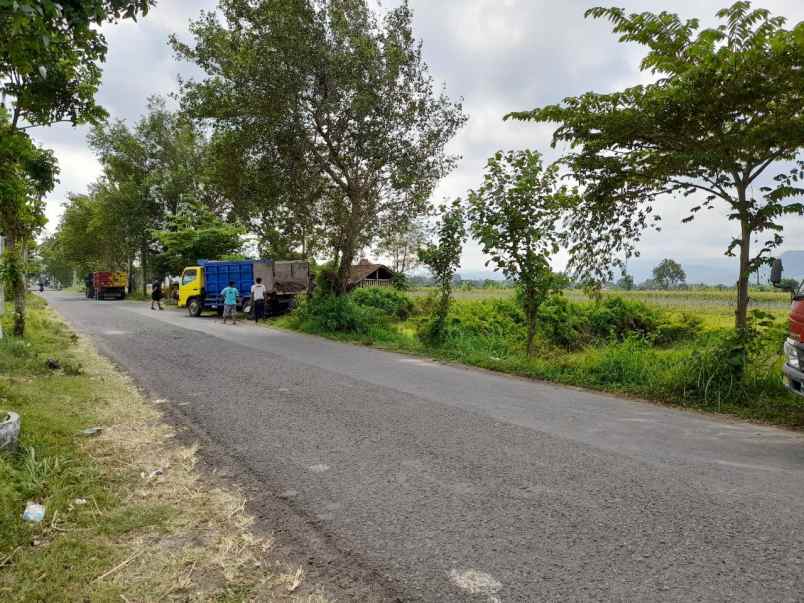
pixel 515 215
pixel 329 105
pixel 50 55
pixel 724 107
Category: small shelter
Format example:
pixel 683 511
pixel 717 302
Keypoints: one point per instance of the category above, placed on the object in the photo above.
pixel 367 274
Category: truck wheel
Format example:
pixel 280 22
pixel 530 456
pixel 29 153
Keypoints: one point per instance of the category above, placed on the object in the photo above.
pixel 194 307
pixel 123 295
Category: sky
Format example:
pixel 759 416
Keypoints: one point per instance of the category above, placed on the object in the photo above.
pixel 496 55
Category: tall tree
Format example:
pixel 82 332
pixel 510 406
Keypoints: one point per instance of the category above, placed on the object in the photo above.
pixel 724 110
pixel 27 173
pixel 151 172
pixel 50 56
pixel 669 274
pixel 515 215
pixel 329 92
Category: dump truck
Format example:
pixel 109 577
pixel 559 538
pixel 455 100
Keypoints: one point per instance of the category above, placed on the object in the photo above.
pixel 793 369
pixel 201 285
pixel 103 285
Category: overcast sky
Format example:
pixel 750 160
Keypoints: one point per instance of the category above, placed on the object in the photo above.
pixel 498 55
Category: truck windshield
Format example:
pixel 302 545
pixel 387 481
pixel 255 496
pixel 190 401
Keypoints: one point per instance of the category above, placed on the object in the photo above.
pixel 188 277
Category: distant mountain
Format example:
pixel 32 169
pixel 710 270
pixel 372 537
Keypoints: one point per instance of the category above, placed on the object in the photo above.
pixel 481 275
pixel 717 271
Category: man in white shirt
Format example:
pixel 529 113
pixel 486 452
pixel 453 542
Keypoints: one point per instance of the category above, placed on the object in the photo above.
pixel 258 299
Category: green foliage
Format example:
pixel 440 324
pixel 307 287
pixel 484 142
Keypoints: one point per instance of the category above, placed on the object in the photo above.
pixel 52 53
pixel 515 216
pixel 669 274
pixel 443 260
pixel 326 313
pixel 195 233
pixel 393 303
pixel 340 128
pixel 626 282
pixel 723 108
pixel 400 281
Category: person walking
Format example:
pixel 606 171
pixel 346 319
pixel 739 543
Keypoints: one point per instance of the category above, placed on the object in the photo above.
pixel 157 295
pixel 258 299
pixel 230 295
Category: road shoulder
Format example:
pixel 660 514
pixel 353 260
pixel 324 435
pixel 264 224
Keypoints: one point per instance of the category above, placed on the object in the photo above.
pixel 129 515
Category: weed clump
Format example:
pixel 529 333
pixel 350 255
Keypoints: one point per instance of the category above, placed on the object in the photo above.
pixel 391 302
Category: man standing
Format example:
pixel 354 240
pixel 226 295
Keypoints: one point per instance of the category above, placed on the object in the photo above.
pixel 230 295
pixel 258 299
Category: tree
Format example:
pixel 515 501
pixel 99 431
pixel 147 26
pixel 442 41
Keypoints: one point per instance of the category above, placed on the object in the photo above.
pixel 150 172
pixel 27 173
pixel 626 282
pixel 50 56
pixel 196 233
pixel 669 274
pixel 337 100
pixel 54 263
pixel 443 259
pixel 401 242
pixel 515 216
pixel 725 108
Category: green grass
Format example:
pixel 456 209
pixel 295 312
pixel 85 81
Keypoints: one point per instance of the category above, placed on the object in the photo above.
pixel 486 333
pixel 74 544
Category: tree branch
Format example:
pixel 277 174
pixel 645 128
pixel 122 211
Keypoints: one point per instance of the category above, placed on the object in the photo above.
pixel 721 193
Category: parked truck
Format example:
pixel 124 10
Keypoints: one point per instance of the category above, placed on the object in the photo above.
pixel 201 285
pixel 102 285
pixel 794 346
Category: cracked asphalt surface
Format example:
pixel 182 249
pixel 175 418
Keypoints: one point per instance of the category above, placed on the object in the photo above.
pixel 391 477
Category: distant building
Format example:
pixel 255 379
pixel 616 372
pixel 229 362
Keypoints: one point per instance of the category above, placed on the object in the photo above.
pixel 368 274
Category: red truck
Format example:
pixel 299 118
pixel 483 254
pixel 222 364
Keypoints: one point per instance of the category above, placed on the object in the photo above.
pixel 794 346
pixel 100 285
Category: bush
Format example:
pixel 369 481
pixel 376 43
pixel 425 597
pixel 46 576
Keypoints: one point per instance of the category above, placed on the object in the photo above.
pixel 393 303
pixel 331 314
pixel 563 323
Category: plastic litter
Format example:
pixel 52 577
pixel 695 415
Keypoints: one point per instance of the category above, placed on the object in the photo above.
pixel 90 431
pixel 152 474
pixel 79 501
pixel 34 512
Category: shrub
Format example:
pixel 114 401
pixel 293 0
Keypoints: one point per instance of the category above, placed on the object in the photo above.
pixel 393 303
pixel 563 323
pixel 617 318
pixel 331 314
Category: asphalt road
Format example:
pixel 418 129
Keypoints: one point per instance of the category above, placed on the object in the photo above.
pixel 396 477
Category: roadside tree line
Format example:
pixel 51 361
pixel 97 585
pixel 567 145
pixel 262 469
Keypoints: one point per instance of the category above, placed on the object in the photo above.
pixel 317 126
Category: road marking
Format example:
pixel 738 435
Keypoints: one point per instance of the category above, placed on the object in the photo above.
pixel 476 583
pixel 320 468
pixel 113 332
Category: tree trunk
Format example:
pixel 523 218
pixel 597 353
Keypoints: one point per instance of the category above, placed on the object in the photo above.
pixel 17 283
pixel 348 248
pixel 130 275
pixel 741 314
pixel 144 257
pixel 530 316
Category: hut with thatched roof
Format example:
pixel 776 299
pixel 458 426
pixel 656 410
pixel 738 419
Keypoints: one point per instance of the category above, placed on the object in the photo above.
pixel 368 274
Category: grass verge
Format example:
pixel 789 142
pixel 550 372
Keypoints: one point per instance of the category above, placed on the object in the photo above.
pixel 128 516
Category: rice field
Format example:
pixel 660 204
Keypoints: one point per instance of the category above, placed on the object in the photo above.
pixel 715 306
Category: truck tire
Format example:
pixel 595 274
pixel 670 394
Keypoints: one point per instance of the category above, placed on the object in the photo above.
pixel 195 307
pixel 122 296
